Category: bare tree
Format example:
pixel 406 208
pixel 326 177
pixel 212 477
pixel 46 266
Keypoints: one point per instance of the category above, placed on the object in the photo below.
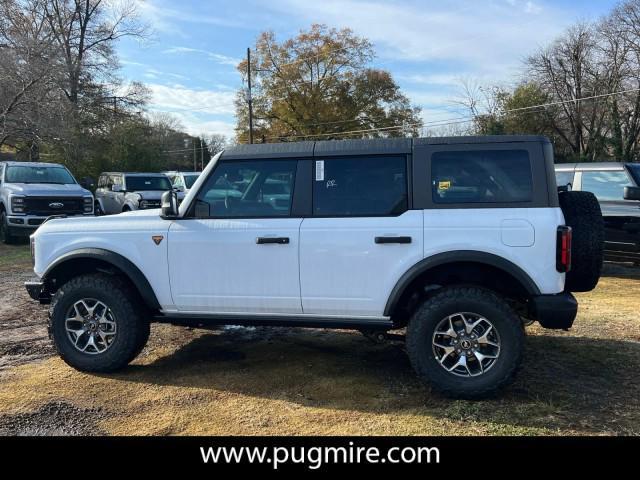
pixel 27 73
pixel 216 142
pixel 620 43
pixel 85 31
pixel 569 70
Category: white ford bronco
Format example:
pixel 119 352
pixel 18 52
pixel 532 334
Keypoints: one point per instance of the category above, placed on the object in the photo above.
pixel 459 241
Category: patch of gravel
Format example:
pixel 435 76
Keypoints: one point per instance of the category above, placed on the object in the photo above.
pixel 54 418
pixel 23 329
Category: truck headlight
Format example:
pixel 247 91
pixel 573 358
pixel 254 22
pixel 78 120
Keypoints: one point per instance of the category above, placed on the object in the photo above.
pixel 88 204
pixel 17 205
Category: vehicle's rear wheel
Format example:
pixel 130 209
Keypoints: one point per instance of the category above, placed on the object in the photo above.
pixel 465 342
pixel 582 213
pixel 97 323
pixel 5 234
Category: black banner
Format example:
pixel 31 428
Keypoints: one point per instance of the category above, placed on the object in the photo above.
pixel 468 456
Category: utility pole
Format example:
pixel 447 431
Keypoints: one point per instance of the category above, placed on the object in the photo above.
pixel 201 154
pixel 195 162
pixel 249 100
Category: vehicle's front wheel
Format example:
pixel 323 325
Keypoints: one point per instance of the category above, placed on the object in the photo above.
pixel 5 234
pixel 97 323
pixel 465 342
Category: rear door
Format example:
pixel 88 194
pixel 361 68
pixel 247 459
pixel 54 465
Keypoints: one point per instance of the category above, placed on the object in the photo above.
pixel 361 236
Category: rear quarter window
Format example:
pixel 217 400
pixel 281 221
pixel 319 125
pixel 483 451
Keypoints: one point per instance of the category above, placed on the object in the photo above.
pixel 481 176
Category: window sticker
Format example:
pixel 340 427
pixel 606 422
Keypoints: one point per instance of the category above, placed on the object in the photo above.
pixel 319 170
pixel 444 185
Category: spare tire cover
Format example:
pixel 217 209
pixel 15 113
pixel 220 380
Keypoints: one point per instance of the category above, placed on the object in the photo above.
pixel 582 213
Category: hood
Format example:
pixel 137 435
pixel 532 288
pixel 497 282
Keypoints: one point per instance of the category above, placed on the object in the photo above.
pixel 145 220
pixel 46 189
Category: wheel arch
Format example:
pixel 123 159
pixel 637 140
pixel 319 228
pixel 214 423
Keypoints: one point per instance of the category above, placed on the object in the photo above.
pixel 462 266
pixel 87 260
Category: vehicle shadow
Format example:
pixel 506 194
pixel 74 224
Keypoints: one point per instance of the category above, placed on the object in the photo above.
pixel 590 385
pixel 621 270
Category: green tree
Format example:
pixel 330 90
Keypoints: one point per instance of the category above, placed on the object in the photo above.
pixel 318 85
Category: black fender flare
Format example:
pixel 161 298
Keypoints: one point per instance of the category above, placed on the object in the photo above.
pixel 455 257
pixel 120 262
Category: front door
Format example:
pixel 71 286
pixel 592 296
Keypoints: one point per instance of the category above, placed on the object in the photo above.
pixel 238 251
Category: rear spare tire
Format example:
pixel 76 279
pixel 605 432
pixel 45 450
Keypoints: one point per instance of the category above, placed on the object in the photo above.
pixel 582 213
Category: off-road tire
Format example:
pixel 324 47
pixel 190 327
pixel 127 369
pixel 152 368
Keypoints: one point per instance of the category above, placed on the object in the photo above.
pixel 131 317
pixel 5 235
pixel 582 213
pixel 465 299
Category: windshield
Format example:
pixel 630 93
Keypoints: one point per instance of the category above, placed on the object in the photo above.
pixel 635 171
pixel 30 174
pixel 189 180
pixel 140 183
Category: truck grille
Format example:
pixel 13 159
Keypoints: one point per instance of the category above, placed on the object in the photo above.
pixel 45 206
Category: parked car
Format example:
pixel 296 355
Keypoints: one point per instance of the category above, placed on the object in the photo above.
pixel 460 240
pixel 123 192
pixel 183 181
pixel 617 188
pixel 32 191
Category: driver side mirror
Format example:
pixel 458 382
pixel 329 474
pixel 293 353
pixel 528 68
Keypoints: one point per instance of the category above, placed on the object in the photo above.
pixel 169 204
pixel 632 193
pixel 87 183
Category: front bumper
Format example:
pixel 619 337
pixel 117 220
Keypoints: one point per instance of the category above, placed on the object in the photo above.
pixel 38 291
pixel 25 225
pixel 555 311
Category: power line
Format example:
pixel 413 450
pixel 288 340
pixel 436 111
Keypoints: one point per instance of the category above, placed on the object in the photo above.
pixel 531 109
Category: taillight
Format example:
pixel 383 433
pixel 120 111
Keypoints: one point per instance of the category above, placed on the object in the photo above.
pixel 563 259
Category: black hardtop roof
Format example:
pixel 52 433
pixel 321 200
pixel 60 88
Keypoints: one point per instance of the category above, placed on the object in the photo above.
pixel 362 146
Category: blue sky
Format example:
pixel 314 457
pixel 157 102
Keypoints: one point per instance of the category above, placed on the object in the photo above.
pixel 429 46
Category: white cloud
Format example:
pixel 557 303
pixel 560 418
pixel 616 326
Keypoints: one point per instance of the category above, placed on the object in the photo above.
pixel 197 124
pixel 180 98
pixel 163 18
pixel 216 57
pixel 484 36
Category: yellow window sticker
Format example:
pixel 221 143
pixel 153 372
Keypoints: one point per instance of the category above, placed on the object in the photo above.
pixel 444 185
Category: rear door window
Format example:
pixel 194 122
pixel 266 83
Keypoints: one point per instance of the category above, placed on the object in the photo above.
pixel 360 186
pixel 481 176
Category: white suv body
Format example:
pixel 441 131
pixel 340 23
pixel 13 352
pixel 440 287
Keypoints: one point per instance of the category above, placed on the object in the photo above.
pixel 360 235
pixel 122 192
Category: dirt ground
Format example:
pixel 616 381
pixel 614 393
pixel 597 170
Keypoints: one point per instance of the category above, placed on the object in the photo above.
pixel 250 381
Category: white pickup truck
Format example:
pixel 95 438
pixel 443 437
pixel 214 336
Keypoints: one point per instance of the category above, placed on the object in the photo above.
pixel 30 192
pixel 460 241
